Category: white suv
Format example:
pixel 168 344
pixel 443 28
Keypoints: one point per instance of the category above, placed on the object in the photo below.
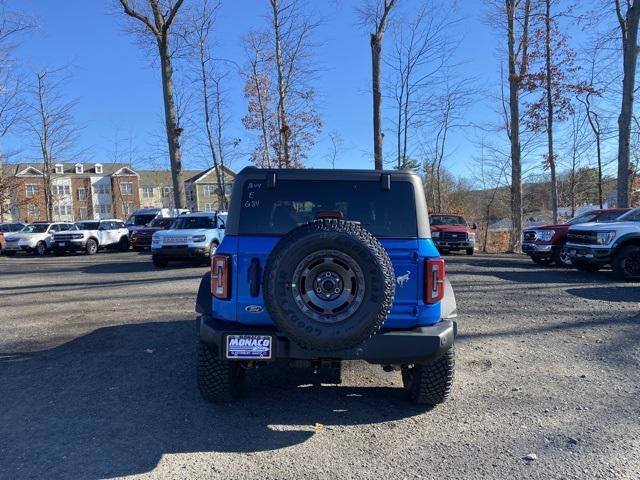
pixel 91 235
pixel 36 237
pixel 594 245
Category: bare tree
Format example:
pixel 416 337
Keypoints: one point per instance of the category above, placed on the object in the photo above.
pixel 518 17
pixel 628 22
pixel 258 92
pixel 337 143
pixel 421 51
pixel 281 69
pixel 50 123
pixel 212 93
pixel 157 18
pixel 376 14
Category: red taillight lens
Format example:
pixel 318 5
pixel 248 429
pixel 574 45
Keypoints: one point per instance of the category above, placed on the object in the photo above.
pixel 434 280
pixel 221 276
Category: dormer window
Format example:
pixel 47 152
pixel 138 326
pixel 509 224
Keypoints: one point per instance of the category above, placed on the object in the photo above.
pixel 59 168
pixel 79 168
pixel 98 168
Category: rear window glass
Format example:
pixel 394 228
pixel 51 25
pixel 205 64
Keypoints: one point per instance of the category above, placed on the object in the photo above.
pixel 275 211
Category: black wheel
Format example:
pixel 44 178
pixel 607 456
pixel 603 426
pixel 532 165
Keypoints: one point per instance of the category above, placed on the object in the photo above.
pixel 123 244
pixel 329 285
pixel 9 253
pixel 213 248
pixel 41 249
pixel 538 260
pixel 469 251
pixel 91 247
pixel 586 266
pixel 430 384
pixel 159 262
pixel 626 263
pixel 219 381
pixel 561 256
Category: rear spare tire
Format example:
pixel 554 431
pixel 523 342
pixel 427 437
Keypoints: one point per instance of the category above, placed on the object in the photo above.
pixel 329 285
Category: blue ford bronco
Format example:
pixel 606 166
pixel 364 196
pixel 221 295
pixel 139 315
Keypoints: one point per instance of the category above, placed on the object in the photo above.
pixel 321 266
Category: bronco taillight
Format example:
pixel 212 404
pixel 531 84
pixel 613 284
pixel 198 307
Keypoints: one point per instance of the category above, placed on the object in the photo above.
pixel 434 280
pixel 221 276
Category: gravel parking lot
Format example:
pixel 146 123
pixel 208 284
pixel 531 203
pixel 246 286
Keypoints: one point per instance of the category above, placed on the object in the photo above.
pixel 97 380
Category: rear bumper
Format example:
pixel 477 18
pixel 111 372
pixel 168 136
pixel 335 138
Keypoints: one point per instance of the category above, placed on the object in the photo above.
pixel 419 345
pixel 598 256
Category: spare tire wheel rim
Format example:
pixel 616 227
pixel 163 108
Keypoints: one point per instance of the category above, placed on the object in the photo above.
pixel 328 286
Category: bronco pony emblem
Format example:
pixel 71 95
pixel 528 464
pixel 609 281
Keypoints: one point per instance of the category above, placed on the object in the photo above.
pixel 403 279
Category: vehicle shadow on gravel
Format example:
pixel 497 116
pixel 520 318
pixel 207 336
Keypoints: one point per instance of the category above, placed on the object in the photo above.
pixel 112 402
pixel 138 266
pixel 629 293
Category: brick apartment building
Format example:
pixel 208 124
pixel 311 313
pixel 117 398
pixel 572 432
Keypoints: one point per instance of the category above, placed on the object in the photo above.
pixel 94 190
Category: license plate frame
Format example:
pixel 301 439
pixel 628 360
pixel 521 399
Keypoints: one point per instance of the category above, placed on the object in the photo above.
pixel 248 347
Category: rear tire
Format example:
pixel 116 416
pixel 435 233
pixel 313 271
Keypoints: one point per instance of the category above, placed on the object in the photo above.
pixel 159 262
pixel 626 263
pixel 219 381
pixel 542 260
pixel 91 248
pixel 430 384
pixel 469 251
pixel 586 267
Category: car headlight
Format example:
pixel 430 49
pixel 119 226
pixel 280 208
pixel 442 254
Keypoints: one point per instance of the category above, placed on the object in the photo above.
pixel 198 238
pixel 472 236
pixel 606 237
pixel 435 234
pixel 545 235
pixel 77 236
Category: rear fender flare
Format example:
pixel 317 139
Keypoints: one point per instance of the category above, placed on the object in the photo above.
pixel 448 306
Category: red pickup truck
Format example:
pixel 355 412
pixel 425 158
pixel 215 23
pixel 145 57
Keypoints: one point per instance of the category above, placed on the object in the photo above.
pixel 546 244
pixel 141 238
pixel 450 233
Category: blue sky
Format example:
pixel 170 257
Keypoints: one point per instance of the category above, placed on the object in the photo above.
pixel 119 93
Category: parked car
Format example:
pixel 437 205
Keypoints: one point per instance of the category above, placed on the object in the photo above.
pixel 547 244
pixel 311 274
pixel 451 233
pixel 142 217
pixel 6 228
pixel 141 239
pixel 36 238
pixel 594 245
pixel 89 236
pixel 194 236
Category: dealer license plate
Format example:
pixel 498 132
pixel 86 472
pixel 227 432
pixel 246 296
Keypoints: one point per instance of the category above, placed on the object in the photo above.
pixel 62 244
pixel 249 347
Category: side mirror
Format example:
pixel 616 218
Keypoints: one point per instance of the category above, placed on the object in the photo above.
pixel 474 226
pixel 221 226
pixel 101 228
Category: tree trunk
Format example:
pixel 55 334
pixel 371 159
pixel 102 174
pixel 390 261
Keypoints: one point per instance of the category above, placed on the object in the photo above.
pixel 514 127
pixel 283 129
pixel 550 155
pixel 599 155
pixel 376 50
pixel 171 123
pixel 630 57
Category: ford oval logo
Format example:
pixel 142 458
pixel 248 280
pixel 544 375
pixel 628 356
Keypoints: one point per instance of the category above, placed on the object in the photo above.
pixel 253 308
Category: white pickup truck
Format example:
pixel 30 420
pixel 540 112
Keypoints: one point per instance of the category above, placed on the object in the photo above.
pixel 89 236
pixel 594 245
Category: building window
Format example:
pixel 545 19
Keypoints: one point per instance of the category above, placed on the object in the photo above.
pixel 129 208
pixel 32 190
pixel 62 210
pixel 98 168
pixel 189 194
pixel 126 188
pixel 104 209
pixel 209 190
pixel 79 169
pixel 102 189
pixel 63 189
pixel 147 191
pixel 82 213
pixel 208 207
pixel 82 193
pixel 33 210
pixel 167 191
pixel 59 168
